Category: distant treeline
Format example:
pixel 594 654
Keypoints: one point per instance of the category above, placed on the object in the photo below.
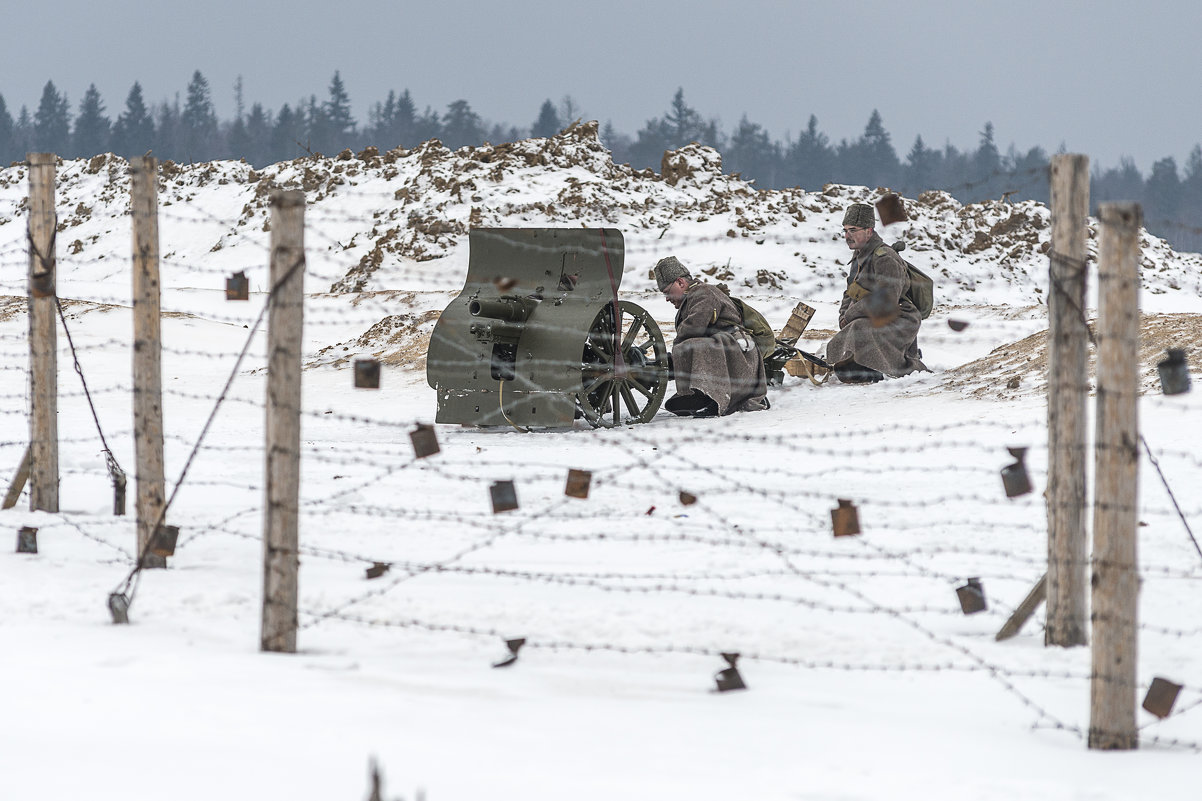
pixel 191 132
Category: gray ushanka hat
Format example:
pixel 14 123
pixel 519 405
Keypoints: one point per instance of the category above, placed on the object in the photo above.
pixel 859 215
pixel 667 270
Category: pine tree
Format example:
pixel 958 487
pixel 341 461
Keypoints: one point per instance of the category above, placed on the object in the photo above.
pixel 258 136
pixel 403 125
pixel 1162 193
pixel 8 152
pixel 288 131
pixel 429 126
pixel 199 121
pixel 876 160
pixel 317 129
pixel 753 154
pixel 461 126
pixel 987 160
pixel 133 133
pixel 23 133
pixel 547 124
pixel 683 123
pixel 52 122
pixel 679 126
pixel 92 127
pixel 919 171
pixel 237 138
pixel 169 132
pixel 338 124
pixel 569 111
pixel 619 144
pixel 810 162
pixel 393 122
pixel 1121 183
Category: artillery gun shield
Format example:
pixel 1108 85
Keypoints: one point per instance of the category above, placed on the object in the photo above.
pixel 537 338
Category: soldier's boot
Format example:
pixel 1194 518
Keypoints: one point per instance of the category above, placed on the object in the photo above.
pixel 685 404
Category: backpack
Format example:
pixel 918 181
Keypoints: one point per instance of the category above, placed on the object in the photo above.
pixel 922 289
pixel 761 332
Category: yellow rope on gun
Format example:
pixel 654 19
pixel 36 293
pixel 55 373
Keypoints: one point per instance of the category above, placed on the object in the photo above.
pixel 501 394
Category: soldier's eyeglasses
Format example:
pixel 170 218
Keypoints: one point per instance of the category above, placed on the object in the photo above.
pixel 852 230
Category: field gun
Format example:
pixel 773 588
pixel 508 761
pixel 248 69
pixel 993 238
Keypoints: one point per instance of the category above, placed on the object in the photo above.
pixel 537 336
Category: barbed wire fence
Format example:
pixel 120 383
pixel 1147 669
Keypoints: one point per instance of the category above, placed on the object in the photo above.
pixel 748 540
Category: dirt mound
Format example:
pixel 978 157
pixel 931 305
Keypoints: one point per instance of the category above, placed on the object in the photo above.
pixel 1021 368
pixel 397 340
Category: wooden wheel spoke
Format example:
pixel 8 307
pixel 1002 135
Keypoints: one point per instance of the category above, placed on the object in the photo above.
pixel 635 327
pixel 596 383
pixel 613 399
pixel 629 399
pixel 598 351
pixel 636 384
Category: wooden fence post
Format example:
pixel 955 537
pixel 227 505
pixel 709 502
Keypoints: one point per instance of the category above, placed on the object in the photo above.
pixel 147 366
pixel 284 329
pixel 43 333
pixel 1068 393
pixel 1116 466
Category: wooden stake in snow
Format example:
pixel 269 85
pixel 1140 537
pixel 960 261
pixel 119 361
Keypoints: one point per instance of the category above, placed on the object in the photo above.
pixel 147 366
pixel 1115 579
pixel 1023 613
pixel 19 479
pixel 1068 392
pixel 284 329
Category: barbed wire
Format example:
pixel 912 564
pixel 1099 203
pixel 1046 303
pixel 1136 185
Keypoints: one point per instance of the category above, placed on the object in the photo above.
pixel 715 520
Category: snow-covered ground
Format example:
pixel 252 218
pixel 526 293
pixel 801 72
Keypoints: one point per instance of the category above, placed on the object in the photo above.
pixel 865 679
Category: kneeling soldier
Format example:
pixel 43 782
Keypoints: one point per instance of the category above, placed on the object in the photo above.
pixel 718 368
pixel 870 345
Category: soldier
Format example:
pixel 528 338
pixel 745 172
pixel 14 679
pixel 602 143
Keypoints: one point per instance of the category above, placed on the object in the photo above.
pixel 878 324
pixel 717 366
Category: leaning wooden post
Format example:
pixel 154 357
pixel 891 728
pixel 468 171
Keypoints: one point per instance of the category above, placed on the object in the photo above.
pixel 43 327
pixel 284 328
pixel 1116 467
pixel 1068 392
pixel 147 367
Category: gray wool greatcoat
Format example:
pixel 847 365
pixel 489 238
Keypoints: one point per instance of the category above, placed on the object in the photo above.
pixel 892 348
pixel 714 354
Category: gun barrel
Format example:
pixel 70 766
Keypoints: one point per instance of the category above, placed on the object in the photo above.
pixel 509 309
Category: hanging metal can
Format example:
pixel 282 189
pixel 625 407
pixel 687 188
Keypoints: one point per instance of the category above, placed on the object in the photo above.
pixel 891 209
pixel 845 519
pixel 119 608
pixel 237 287
pixel 424 440
pixel 972 597
pixel 1174 372
pixel 730 678
pixel 578 483
pixel 27 540
pixel 1161 697
pixel 163 541
pixel 1014 476
pixel 367 374
pixel 504 496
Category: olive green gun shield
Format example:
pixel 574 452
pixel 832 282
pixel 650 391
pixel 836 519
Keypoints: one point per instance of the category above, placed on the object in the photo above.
pixel 513 348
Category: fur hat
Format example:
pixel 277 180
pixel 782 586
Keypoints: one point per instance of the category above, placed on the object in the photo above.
pixel 859 215
pixel 667 270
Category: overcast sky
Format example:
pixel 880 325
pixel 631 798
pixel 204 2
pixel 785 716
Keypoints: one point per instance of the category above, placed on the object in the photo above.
pixel 1104 78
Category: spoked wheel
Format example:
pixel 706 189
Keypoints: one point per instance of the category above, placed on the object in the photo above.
pixel 629 389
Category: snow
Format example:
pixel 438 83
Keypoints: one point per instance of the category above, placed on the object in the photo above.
pixel 865 679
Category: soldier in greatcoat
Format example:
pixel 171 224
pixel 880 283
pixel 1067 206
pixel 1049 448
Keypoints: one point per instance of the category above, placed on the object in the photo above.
pixel 717 367
pixel 878 324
